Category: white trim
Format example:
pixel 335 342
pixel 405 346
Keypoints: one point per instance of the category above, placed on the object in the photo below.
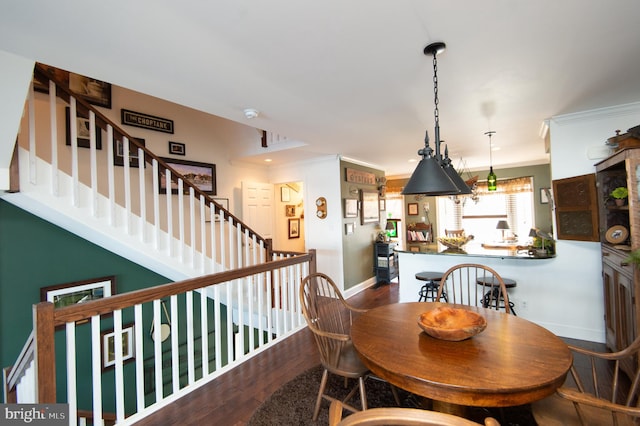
pixel 599 113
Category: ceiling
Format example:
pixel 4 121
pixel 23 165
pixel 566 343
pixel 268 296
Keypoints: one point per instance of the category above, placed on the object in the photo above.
pixel 348 77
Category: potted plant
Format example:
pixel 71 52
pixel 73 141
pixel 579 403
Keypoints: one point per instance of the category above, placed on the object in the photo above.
pixel 619 195
pixel 634 257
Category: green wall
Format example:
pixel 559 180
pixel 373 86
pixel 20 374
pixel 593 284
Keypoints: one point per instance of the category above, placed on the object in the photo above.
pixel 34 254
pixel 357 247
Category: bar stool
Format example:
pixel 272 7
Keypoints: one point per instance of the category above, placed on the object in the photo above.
pixel 430 289
pixel 508 283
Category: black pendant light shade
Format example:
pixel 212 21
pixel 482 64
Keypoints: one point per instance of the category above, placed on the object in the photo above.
pixel 455 177
pixel 432 176
pixel 429 177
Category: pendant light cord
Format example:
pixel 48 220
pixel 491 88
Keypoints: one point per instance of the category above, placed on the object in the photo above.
pixel 490 153
pixel 436 111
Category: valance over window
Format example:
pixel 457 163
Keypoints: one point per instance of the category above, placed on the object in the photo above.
pixel 508 186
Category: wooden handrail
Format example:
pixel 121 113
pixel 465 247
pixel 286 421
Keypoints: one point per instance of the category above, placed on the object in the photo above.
pixel 120 301
pixel 45 353
pixel 22 362
pixel 46 318
pixel 41 73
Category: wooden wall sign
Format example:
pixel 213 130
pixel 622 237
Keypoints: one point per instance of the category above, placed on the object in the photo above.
pixel 358 176
pixel 138 119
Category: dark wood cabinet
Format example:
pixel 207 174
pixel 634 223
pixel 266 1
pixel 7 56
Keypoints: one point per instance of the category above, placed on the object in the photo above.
pixel 620 312
pixel 619 227
pixel 576 208
pixel 385 262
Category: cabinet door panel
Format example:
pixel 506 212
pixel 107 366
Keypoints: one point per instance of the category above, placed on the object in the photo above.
pixel 608 276
pixel 627 330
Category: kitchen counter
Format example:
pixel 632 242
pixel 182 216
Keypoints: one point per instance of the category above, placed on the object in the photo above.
pixel 475 249
pixel 526 269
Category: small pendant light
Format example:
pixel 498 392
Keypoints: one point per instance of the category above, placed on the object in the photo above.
pixel 492 179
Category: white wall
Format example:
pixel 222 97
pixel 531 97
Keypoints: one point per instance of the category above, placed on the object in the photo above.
pixel 206 137
pixel 14 85
pixel 579 274
pixel 320 178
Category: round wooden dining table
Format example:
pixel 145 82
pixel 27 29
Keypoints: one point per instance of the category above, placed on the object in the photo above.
pixel 512 362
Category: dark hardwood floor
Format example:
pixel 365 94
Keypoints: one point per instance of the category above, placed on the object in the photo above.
pixel 232 398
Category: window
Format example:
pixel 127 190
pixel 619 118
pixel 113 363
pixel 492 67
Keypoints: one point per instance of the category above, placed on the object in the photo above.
pixel 513 202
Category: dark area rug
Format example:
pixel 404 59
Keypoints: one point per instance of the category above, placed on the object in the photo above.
pixel 293 403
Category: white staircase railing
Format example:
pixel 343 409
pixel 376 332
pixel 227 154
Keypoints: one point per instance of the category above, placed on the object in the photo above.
pixel 185 234
pixel 235 296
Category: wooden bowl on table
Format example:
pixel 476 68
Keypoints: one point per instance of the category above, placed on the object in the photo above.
pixel 452 324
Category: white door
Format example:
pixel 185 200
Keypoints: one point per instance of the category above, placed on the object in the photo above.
pixel 257 207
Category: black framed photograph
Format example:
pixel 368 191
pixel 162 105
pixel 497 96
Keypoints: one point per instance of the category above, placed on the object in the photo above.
pixel 177 148
pixel 202 175
pixel 370 207
pixel 108 343
pixel 78 291
pixel 294 228
pixel 224 202
pixel 94 91
pixel 412 209
pixel 118 152
pixel 350 207
pixel 83 130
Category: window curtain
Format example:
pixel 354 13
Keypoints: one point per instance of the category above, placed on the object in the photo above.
pixel 508 186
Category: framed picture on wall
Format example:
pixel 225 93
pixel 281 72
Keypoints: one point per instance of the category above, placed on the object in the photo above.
pixel 290 210
pixel 412 209
pixel 285 194
pixel 294 228
pixel 177 148
pixel 109 346
pixel 82 130
pixel 118 152
pixel 544 195
pixel 94 91
pixel 78 291
pixel 370 207
pixel 224 202
pixel 350 207
pixel 202 175
pixel 348 228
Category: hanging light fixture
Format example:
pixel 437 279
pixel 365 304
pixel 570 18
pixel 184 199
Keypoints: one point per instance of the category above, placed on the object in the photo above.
pixel 454 175
pixel 492 179
pixel 431 176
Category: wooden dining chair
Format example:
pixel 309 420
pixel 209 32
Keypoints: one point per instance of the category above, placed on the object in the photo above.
pixel 474 285
pixel 587 400
pixel 329 317
pixel 399 416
